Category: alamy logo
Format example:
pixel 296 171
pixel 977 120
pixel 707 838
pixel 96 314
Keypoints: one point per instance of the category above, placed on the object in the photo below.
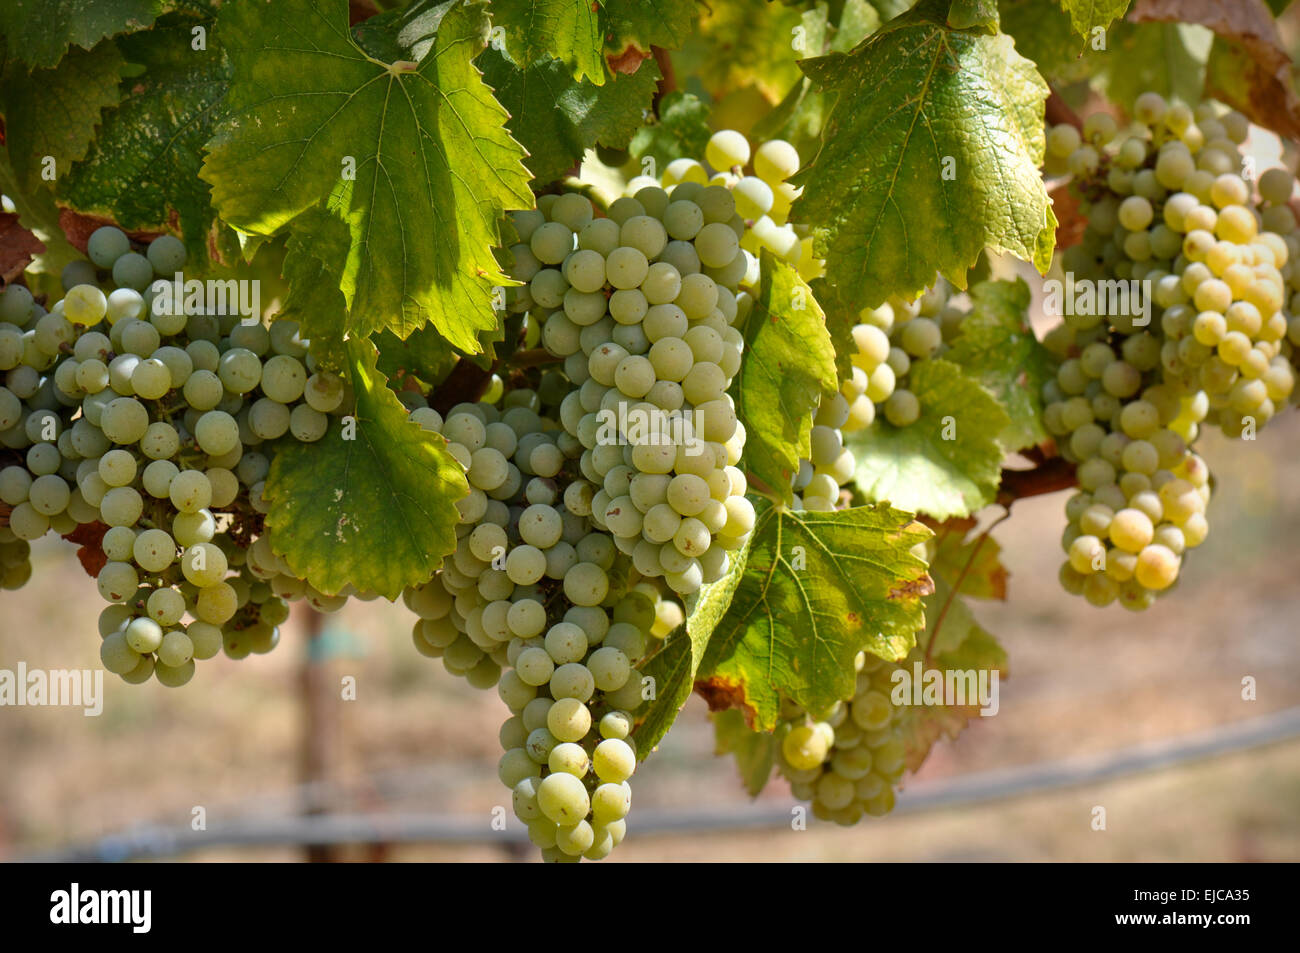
pixel 1130 298
pixel 213 296
pixel 75 906
pixel 946 687
pixel 57 688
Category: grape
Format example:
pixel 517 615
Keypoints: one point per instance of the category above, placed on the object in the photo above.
pixel 727 149
pixel 716 245
pixel 106 245
pixel 775 161
pixel 133 270
pixel 167 255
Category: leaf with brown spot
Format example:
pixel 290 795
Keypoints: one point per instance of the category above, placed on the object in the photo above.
pixel 810 591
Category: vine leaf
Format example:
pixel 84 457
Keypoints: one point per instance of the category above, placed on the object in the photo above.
pixel 568 30
pixel 38 214
pixel 998 348
pixel 557 118
pixel 1087 15
pixel 814 589
pixel 930 154
pixel 739 45
pixel 1043 33
pixel 314 299
pixel 947 463
pixel 143 168
pixel 788 365
pixel 979 15
pixel 376 511
pixel 413 157
pixel 754 751
pixel 677 662
pixel 979 558
pixel 1164 58
pixel 641 24
pixel 39 32
pixel 54 112
pixel 961 645
pixel 682 130
pixel 1249 67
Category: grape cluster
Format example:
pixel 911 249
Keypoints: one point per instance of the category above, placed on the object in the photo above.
pixel 641 306
pixel 849 764
pixel 530 602
pixel 886 342
pixel 157 426
pixel 1167 206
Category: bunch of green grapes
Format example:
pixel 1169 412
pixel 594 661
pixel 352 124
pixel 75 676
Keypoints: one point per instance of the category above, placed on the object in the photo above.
pixel 530 602
pixel 849 764
pixel 758 180
pixel 819 482
pixel 121 409
pixel 886 342
pixel 640 305
pixel 1167 206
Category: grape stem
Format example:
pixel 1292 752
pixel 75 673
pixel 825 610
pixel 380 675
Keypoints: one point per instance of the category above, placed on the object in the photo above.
pixel 957 584
pixel 667 76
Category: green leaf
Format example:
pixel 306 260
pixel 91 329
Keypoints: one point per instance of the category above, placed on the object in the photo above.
pixel 424 355
pixel 39 32
pixel 858 20
pixel 39 214
pixel 979 15
pixel 143 169
pixel 557 118
pixel 755 751
pixel 647 23
pixel 675 665
pixel 568 30
pixel 947 463
pixel 976 561
pixel 814 590
pixel 998 348
pixel 1166 58
pixel 930 154
pixel 682 130
pixel 1043 33
pixel 377 511
pixel 788 365
pixel 54 112
pixel 314 299
pixel 741 44
pixel 1087 15
pixel 434 166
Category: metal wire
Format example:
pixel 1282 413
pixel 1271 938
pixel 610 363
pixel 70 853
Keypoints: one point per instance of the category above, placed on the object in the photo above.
pixel 157 841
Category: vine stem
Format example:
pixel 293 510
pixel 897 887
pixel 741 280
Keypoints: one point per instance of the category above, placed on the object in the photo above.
pixel 956 586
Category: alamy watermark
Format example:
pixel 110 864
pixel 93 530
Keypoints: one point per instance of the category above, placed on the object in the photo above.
pixel 643 426
pixel 241 296
pixel 1131 298
pixel 53 688
pixel 947 687
pixel 75 906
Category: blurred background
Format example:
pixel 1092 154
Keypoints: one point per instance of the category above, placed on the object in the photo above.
pixel 258 742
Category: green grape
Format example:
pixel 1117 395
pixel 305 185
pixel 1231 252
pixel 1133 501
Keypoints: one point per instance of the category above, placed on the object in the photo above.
pixel 106 245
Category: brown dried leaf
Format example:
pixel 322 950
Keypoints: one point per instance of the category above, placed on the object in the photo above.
pixel 18 247
pixel 1253 74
